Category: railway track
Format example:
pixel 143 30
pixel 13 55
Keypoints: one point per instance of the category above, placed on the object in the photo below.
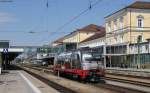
pixel 56 86
pixel 128 81
pixel 52 84
pixel 127 75
pixel 133 73
pixel 117 89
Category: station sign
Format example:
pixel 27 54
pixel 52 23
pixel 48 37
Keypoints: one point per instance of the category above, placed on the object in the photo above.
pixel 5 50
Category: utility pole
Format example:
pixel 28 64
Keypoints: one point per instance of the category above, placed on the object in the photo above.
pixel 138 60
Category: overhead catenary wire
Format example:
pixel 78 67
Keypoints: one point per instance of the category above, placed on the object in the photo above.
pixel 34 29
pixel 47 22
pixel 74 18
pixel 65 24
pixel 29 32
pixel 58 30
pixel 78 15
pixel 46 4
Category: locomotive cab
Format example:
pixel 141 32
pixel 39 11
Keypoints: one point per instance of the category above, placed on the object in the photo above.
pixel 94 65
pixel 80 64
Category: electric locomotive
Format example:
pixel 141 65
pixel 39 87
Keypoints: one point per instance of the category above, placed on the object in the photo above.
pixel 81 65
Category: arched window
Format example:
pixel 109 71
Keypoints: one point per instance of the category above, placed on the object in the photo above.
pixel 140 21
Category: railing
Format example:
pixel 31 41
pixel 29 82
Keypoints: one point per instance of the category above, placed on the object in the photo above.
pixel 127 29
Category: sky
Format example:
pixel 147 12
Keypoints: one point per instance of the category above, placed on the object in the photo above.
pixel 33 23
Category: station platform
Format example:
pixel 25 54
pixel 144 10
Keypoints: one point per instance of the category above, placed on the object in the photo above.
pixel 129 71
pixel 18 81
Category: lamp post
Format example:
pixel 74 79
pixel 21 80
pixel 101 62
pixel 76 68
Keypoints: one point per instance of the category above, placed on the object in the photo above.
pixel 138 42
pixel 134 53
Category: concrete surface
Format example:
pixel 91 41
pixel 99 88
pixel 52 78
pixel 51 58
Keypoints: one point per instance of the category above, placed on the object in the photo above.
pixel 17 81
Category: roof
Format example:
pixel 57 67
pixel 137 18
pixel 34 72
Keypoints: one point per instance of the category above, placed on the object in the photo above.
pixel 97 35
pixel 136 5
pixel 140 5
pixel 88 28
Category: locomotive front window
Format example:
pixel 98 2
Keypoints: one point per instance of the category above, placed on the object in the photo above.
pixel 90 57
pixel 87 56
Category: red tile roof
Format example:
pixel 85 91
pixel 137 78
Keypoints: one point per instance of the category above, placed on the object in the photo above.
pixel 140 5
pixel 89 28
pixel 97 35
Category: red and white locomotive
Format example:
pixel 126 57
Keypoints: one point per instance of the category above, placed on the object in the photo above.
pixel 81 65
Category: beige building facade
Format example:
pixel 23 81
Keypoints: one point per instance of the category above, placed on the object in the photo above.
pixel 74 39
pixel 127 24
pixel 126 27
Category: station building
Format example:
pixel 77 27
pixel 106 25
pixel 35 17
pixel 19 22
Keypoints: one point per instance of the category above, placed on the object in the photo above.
pixel 125 43
pixel 74 39
pixel 124 28
pixel 140 52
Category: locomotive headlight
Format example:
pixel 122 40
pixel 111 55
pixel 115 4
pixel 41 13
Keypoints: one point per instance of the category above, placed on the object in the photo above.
pixel 84 67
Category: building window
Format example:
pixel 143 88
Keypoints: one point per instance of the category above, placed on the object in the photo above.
pixel 140 38
pixel 140 22
pixel 146 48
pixel 115 24
pixel 109 26
pixel 121 23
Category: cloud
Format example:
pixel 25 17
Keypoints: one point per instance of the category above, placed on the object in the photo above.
pixel 6 18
